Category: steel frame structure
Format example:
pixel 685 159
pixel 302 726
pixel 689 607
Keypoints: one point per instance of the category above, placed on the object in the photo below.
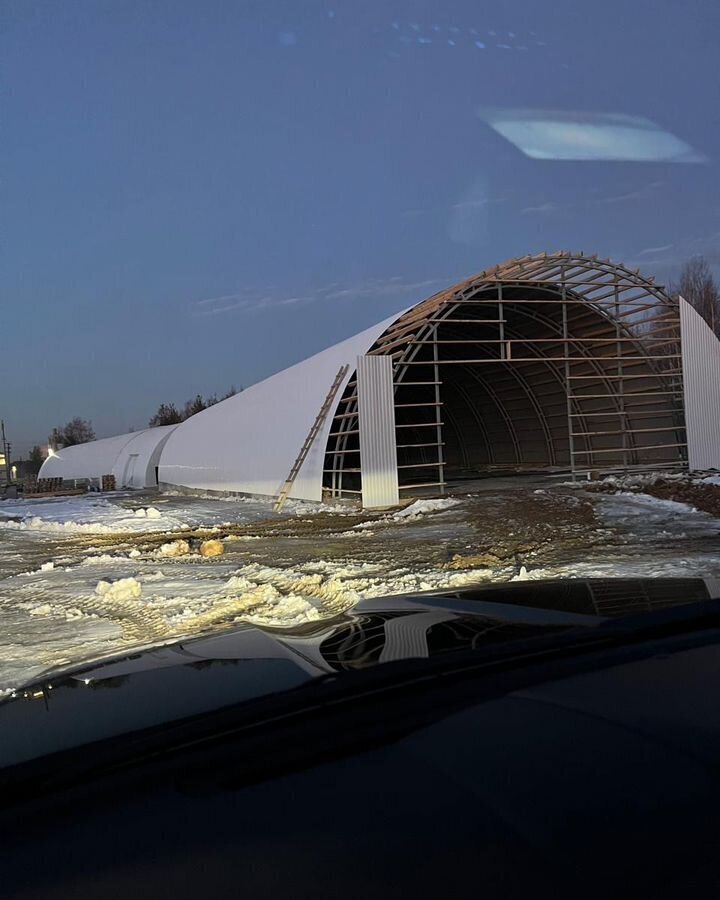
pixel 549 362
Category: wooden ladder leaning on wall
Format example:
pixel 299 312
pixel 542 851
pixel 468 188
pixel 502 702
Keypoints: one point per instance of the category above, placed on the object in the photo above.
pixel 311 435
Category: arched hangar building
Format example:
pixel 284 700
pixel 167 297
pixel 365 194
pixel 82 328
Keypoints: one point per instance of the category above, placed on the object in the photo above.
pixel 554 362
pixel 132 458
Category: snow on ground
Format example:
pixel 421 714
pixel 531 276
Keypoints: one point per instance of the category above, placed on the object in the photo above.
pixel 654 539
pixel 692 565
pixel 652 517
pixel 127 513
pixel 667 540
pixel 710 479
pixel 422 507
pixel 86 577
pixel 81 515
pixel 640 480
pixel 411 512
pixel 291 507
pixel 108 602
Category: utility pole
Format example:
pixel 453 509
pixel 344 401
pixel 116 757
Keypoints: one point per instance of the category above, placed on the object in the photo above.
pixel 5 451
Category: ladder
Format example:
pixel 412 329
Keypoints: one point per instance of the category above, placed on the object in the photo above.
pixel 312 434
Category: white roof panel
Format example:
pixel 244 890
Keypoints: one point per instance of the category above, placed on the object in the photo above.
pixel 130 457
pixel 248 443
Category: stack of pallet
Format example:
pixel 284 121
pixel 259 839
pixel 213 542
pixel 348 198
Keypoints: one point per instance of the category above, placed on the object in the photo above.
pixel 108 483
pixel 46 485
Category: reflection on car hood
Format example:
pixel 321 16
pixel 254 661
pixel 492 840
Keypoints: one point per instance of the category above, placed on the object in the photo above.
pixel 124 695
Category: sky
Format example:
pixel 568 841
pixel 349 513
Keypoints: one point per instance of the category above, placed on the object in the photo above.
pixel 197 194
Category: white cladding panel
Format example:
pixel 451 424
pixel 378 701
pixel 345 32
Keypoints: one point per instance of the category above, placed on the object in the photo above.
pixel 91 460
pixel 136 462
pixel 376 421
pixel 248 443
pixel 701 376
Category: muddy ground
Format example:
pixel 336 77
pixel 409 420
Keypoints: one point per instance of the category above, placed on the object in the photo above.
pixel 70 597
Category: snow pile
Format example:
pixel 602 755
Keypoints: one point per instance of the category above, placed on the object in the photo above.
pixel 155 576
pixel 100 559
pixel 44 609
pixel 423 507
pixel 239 600
pixel 150 513
pixel 175 548
pixel 123 589
pixel 336 587
pixel 45 567
pixel 312 508
pixel 264 582
pixel 278 597
pixel 411 513
pixel 69 613
pixel 263 603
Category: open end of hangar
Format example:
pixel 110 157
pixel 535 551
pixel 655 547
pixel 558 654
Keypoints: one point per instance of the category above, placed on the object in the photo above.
pixel 511 376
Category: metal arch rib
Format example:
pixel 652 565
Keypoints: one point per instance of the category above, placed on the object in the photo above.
pixel 536 270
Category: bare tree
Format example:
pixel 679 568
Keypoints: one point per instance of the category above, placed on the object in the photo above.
pixel 167 414
pixel 35 459
pixel 698 287
pixel 76 431
pixel 213 398
pixel 194 406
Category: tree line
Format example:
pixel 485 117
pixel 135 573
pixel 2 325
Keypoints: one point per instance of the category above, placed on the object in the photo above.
pixel 169 414
pixel 81 431
pixel 697 285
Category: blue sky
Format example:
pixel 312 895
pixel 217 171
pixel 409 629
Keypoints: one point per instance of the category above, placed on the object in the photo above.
pixel 197 194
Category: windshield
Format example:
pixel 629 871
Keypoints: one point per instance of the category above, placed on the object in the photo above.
pixel 316 304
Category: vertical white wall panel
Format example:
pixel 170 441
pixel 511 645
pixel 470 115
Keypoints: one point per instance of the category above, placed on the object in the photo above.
pixel 376 418
pixel 701 377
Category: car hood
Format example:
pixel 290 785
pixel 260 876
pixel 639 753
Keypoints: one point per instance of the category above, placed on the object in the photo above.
pixel 123 695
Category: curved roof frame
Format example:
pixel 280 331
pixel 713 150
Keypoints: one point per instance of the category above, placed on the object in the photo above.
pixel 590 278
pixel 603 280
pixel 621 296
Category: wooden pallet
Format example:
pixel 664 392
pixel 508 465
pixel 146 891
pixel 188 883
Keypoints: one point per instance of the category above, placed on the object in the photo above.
pixel 312 434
